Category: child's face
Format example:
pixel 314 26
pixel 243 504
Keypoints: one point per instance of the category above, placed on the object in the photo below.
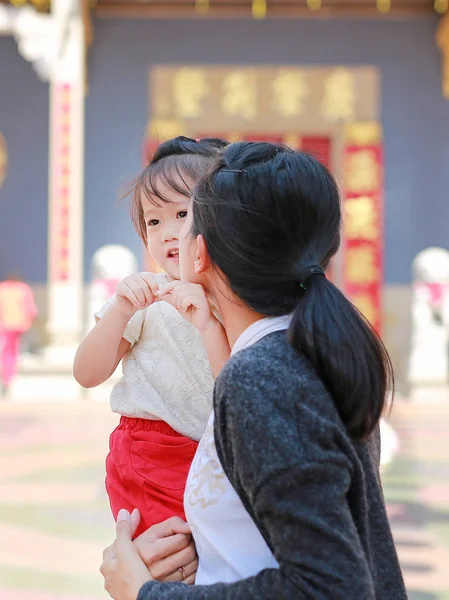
pixel 164 223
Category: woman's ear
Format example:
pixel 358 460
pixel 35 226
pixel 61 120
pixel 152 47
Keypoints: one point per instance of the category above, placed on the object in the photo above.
pixel 202 258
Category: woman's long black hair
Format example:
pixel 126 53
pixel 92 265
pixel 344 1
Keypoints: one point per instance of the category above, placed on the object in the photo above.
pixel 268 214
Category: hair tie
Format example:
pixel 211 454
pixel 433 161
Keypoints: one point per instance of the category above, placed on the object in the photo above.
pixel 308 272
pixel 198 140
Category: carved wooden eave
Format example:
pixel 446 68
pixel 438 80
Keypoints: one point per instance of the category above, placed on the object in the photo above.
pixel 88 37
pixel 244 9
pixel 442 39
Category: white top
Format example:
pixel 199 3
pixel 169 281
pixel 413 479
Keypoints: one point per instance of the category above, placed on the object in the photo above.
pixel 229 545
pixel 166 372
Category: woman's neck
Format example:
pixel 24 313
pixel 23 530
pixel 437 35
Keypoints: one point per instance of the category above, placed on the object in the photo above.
pixel 236 316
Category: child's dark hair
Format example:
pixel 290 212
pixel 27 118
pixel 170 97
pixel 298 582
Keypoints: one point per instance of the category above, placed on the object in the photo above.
pixel 269 215
pixel 173 161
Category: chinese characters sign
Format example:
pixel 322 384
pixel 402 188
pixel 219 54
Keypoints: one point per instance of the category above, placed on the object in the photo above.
pixel 254 99
pixel 363 220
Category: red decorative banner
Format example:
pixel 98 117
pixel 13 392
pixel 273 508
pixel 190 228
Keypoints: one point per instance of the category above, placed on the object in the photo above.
pixel 3 159
pixel 363 220
pixel 319 147
pixel 60 217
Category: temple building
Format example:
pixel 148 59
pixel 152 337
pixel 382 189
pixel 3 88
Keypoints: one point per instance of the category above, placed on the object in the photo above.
pixel 88 90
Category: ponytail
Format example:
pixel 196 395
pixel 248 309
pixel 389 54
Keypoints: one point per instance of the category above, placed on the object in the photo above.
pixel 346 353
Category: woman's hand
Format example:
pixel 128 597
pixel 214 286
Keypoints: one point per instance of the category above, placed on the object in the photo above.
pixel 165 552
pixel 191 301
pixel 123 570
pixel 169 552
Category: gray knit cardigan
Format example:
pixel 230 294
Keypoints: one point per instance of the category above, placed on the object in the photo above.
pixel 313 492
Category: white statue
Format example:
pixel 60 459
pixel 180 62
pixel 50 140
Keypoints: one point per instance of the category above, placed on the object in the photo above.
pixel 430 318
pixel 110 264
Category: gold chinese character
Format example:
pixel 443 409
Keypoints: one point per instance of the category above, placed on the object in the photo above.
pixel 202 6
pixel 360 218
pixel 339 96
pixel 259 9
pixel 361 171
pixel 240 94
pixel 190 87
pixel 366 306
pixel 361 265
pixel 363 133
pixel 290 91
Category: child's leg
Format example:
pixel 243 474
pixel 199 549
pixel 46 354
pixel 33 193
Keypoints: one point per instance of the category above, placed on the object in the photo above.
pixel 147 468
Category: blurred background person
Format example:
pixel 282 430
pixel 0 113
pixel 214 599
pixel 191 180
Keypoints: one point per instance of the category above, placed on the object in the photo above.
pixel 17 313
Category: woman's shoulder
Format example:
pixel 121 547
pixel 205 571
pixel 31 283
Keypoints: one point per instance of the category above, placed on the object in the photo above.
pixel 270 395
pixel 270 359
pixel 272 376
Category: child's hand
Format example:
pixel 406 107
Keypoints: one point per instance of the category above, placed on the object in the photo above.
pixel 191 301
pixel 136 292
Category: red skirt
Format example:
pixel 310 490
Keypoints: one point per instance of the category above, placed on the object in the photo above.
pixel 147 468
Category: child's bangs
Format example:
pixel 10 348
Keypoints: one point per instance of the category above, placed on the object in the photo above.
pixel 175 173
pixel 169 175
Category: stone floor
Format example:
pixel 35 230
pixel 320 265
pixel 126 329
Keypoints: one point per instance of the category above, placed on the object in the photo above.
pixel 55 522
pixel 416 486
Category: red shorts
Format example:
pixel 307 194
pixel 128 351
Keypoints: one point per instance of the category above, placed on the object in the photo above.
pixel 147 468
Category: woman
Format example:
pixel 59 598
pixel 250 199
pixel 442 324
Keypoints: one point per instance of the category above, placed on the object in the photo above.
pixel 287 503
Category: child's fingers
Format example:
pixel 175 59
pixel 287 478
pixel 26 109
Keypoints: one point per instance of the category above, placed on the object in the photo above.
pixel 137 290
pixel 129 294
pixel 150 280
pixel 167 288
pixel 147 292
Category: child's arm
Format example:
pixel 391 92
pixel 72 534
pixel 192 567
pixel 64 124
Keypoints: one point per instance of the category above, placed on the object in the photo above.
pixel 191 301
pixel 104 347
